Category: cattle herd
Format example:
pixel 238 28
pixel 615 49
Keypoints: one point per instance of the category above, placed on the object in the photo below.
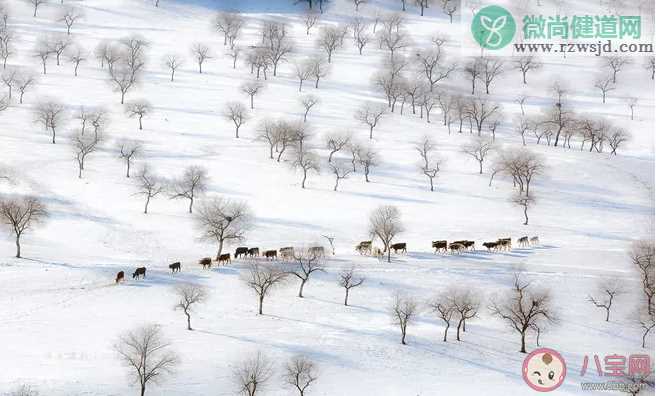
pixel 364 248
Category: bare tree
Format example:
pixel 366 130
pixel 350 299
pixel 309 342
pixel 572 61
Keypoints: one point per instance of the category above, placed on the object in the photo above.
pixel 21 214
pixel 370 113
pixel 478 148
pixel 69 16
pixel 466 303
pixel 479 110
pixel 147 354
pixel 223 221
pixel 303 72
pixel 560 117
pixel 234 53
pixel 148 185
pixel 43 50
pixel 368 158
pixel 348 279
pixel 259 61
pixel 230 24
pixel 262 279
pixel 524 308
pixel 7 39
pixel 605 85
pixel 126 69
pixel 173 62
pixel 278 43
pixel 310 18
pixel 83 146
pixel 9 78
pixel 319 69
pixel 608 289
pixel 307 161
pixel 642 257
pixel 362 38
pixel 650 65
pixel 253 374
pixel 335 142
pixel 473 70
pixel 443 306
pixel 525 202
pixel 632 102
pixel 308 101
pixel 404 310
pixel 394 41
pixel 138 108
pixel 340 170
pixel 523 165
pixel 616 138
pixel 76 56
pixel 36 4
pixel 129 150
pixel 58 45
pixel 51 115
pixel 525 64
pixel 24 81
pixel 193 182
pixel 430 164
pixel 330 39
pixel 385 223
pixel 304 263
pixel 189 295
pixel 300 373
pixel 450 7
pixel 615 64
pixel 24 390
pixel 237 113
pixel 201 53
pixel 432 66
pixel 252 88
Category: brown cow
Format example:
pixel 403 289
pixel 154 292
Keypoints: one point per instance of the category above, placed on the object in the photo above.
pixel 206 262
pixel 490 245
pixel 224 258
pixel 456 247
pixel 363 247
pixel 120 277
pixel 272 254
pixel 440 245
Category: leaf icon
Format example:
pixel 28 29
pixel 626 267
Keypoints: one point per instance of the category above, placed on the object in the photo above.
pixel 486 22
pixel 499 23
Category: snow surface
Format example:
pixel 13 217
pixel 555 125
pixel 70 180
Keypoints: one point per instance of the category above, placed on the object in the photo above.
pixel 61 312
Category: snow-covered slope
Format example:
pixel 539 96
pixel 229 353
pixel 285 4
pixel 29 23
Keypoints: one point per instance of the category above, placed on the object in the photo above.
pixel 62 312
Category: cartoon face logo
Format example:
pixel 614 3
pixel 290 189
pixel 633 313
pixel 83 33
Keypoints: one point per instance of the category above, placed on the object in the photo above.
pixel 544 370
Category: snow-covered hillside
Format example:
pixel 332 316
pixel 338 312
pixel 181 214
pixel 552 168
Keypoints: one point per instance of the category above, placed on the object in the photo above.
pixel 62 313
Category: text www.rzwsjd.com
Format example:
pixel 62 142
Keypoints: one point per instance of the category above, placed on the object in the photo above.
pixel 596 49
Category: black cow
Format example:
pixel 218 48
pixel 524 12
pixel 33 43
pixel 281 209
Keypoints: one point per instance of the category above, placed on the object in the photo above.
pixel 120 276
pixel 272 254
pixel 175 267
pixel 254 252
pixel 399 246
pixel 141 271
pixel 206 262
pixel 241 251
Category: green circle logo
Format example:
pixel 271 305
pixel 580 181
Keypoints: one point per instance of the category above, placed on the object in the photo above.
pixel 493 27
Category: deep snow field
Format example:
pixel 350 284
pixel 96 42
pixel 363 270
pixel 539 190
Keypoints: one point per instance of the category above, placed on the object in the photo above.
pixel 61 311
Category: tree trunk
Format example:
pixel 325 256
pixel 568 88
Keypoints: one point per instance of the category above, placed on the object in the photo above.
pixel 18 247
pixel 523 349
pixel 480 167
pixel 140 123
pixel 146 206
pixel 143 389
pixel 188 321
pixel 304 178
pixel 446 330
pixel 458 329
pixel 191 204
pixel 346 295
pixel 261 302
pixel 526 214
pixel 220 250
pixel 300 289
pixel 403 335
